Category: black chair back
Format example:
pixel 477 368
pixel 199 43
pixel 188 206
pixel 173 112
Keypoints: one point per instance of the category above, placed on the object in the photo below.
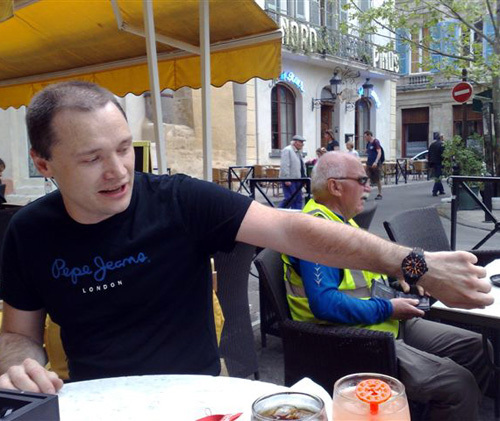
pixel 364 219
pixel 6 213
pixel 418 228
pixel 270 268
pixel 237 345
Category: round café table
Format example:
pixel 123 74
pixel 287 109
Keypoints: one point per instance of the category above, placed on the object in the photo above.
pixel 160 397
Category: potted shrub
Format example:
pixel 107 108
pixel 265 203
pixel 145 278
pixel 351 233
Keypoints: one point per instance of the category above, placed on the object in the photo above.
pixel 460 160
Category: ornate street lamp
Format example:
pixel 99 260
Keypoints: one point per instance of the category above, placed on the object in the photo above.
pixel 335 83
pixel 367 88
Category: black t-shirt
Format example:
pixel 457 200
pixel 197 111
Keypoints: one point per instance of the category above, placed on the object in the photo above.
pixel 132 294
pixel 331 145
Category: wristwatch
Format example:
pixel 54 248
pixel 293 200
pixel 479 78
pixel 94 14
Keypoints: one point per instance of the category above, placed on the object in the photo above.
pixel 414 266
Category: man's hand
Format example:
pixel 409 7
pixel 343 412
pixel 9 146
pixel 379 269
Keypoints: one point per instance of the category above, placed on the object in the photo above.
pixel 287 183
pixel 374 165
pixel 30 376
pixel 455 280
pixel 404 309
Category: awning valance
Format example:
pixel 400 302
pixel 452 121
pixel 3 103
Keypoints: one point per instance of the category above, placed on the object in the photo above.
pixel 49 41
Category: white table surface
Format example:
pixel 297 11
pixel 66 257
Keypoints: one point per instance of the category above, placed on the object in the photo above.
pixel 490 312
pixel 159 397
pixel 167 397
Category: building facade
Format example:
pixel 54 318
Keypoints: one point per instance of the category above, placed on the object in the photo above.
pixel 320 88
pixel 323 83
pixel 424 95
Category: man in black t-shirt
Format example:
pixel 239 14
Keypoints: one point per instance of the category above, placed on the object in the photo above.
pixel 121 260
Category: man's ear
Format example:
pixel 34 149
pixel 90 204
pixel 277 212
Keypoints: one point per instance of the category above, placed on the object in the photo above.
pixel 41 164
pixel 334 188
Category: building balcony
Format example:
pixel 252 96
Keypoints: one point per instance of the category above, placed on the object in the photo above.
pixel 419 81
pixel 307 38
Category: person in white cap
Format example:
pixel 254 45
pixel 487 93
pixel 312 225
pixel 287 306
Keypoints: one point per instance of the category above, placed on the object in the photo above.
pixel 292 166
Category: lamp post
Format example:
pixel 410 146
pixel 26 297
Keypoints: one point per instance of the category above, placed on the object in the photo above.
pixel 335 83
pixel 464 112
pixel 367 88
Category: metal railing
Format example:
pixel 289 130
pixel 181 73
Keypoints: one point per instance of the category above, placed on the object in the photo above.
pixel 401 170
pixel 461 182
pixel 241 178
pixel 256 184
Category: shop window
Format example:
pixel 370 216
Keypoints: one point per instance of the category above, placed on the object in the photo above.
pixel 415 130
pixel 282 116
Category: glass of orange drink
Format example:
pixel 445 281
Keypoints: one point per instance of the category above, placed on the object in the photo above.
pixel 369 397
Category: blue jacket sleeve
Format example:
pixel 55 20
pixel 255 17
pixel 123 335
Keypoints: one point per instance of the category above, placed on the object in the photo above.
pixel 321 285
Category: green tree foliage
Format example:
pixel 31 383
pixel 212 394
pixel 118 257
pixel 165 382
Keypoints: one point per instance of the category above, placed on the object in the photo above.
pixel 458 34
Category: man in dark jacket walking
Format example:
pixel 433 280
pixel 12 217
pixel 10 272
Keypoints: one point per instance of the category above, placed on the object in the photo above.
pixel 436 163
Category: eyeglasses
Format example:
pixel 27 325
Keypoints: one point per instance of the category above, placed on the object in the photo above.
pixel 361 180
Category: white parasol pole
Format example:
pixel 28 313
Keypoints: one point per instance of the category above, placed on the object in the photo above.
pixel 206 115
pixel 154 85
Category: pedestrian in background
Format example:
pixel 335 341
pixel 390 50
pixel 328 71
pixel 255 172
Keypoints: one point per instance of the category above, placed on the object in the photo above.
pixel 292 166
pixel 350 148
pixel 333 144
pixel 436 163
pixel 373 162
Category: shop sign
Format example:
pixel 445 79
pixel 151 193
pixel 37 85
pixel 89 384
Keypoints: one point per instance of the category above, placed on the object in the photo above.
pixel 386 60
pixel 299 35
pixel 293 79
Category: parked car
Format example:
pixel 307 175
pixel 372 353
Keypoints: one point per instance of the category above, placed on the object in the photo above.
pixel 420 156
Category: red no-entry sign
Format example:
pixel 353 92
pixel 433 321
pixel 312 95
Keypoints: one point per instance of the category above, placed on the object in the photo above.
pixel 462 92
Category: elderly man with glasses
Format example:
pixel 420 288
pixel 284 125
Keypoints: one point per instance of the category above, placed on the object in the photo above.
pixel 442 366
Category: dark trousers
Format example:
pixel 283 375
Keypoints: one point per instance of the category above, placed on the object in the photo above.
pixel 437 174
pixel 443 366
pixel 288 192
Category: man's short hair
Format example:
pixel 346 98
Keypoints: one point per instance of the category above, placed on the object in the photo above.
pixel 368 133
pixel 2 164
pixel 330 165
pixel 73 95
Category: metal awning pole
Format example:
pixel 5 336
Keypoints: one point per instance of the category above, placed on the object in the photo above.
pixel 154 85
pixel 206 115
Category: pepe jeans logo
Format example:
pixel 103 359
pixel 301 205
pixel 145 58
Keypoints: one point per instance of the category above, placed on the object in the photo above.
pixel 98 270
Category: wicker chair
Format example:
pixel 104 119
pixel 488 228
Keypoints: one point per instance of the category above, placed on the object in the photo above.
pixel 237 345
pixel 418 228
pixel 322 353
pixel 6 212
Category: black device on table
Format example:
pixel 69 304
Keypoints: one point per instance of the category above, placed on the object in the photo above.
pixel 381 290
pixel 495 280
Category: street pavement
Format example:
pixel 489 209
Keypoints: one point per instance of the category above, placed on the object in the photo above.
pixel 396 198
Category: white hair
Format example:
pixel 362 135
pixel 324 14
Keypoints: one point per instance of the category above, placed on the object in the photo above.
pixel 330 165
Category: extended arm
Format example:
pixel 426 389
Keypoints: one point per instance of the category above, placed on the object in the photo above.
pixel 452 276
pixel 22 358
pixel 327 302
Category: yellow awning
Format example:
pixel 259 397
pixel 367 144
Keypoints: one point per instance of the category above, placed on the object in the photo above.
pixel 48 41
